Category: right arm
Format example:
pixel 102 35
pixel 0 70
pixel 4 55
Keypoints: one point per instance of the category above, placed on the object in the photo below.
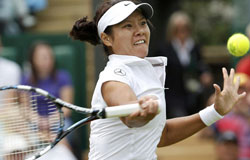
pixel 118 93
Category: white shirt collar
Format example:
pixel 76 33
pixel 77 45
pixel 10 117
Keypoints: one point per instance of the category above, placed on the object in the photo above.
pixel 133 60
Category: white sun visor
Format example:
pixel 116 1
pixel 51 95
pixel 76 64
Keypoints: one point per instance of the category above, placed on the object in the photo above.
pixel 120 12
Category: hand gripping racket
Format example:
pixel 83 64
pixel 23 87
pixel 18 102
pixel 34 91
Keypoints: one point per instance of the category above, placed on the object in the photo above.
pixel 32 121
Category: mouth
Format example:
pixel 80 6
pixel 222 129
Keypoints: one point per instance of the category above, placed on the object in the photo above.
pixel 140 42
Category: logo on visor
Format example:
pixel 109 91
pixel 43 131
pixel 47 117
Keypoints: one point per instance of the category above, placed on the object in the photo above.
pixel 119 72
pixel 127 4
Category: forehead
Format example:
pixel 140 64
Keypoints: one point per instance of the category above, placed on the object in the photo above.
pixel 42 50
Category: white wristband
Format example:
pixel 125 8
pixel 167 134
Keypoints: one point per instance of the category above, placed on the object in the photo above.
pixel 209 115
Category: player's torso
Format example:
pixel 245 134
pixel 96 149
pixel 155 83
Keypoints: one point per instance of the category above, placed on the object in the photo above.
pixel 110 138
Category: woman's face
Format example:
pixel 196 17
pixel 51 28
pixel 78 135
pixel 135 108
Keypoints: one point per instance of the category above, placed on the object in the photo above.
pixel 182 31
pixel 131 36
pixel 43 59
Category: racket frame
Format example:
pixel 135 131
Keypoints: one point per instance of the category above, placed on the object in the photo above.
pixel 109 112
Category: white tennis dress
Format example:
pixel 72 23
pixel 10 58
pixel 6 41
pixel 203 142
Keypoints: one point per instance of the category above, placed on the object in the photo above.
pixel 110 139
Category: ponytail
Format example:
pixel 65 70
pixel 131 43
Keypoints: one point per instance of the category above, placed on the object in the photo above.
pixel 85 30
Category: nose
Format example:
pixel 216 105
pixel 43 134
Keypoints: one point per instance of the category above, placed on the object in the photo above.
pixel 139 30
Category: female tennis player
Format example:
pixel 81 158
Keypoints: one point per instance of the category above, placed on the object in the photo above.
pixel 130 76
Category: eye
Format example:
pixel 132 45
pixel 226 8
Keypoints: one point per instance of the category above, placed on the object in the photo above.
pixel 127 25
pixel 144 22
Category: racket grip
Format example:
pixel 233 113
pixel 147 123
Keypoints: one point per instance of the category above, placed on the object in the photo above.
pixel 123 110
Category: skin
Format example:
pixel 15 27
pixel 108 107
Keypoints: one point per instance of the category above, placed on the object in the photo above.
pixel 43 61
pixel 129 31
pixel 182 31
pixel 116 93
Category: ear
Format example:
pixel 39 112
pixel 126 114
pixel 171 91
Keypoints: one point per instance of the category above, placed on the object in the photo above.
pixel 106 39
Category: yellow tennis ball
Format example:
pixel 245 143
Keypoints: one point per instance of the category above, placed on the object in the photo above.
pixel 238 44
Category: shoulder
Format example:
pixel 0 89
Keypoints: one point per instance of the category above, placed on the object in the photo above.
pixel 119 73
pixel 115 70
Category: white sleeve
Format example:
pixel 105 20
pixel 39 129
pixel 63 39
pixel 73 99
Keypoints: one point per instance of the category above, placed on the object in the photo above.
pixel 119 73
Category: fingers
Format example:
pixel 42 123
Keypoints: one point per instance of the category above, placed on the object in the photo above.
pixel 217 89
pixel 231 76
pixel 237 83
pixel 148 104
pixel 229 79
pixel 146 98
pixel 149 107
pixel 225 74
pixel 228 97
pixel 135 114
pixel 242 95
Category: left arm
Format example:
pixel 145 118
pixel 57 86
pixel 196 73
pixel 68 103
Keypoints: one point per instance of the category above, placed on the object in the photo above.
pixel 180 128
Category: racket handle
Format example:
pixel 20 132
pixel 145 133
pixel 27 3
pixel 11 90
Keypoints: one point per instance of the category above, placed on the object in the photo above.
pixel 123 110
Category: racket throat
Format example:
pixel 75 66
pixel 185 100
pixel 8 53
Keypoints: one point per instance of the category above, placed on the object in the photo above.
pixel 99 114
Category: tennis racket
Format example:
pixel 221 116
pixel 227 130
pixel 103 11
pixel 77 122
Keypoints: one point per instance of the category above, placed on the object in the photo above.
pixel 32 121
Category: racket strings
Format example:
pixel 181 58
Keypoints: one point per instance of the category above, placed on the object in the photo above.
pixel 8 99
pixel 28 122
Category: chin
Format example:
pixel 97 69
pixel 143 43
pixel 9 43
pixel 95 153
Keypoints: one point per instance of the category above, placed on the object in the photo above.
pixel 145 54
pixel 142 53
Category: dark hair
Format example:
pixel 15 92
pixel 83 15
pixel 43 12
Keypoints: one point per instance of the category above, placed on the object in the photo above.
pixel 85 30
pixel 34 73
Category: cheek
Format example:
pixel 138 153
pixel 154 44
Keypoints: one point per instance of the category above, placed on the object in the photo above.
pixel 121 43
pixel 148 33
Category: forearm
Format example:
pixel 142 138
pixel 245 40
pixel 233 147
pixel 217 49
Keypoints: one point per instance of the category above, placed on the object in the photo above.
pixel 117 93
pixel 178 129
